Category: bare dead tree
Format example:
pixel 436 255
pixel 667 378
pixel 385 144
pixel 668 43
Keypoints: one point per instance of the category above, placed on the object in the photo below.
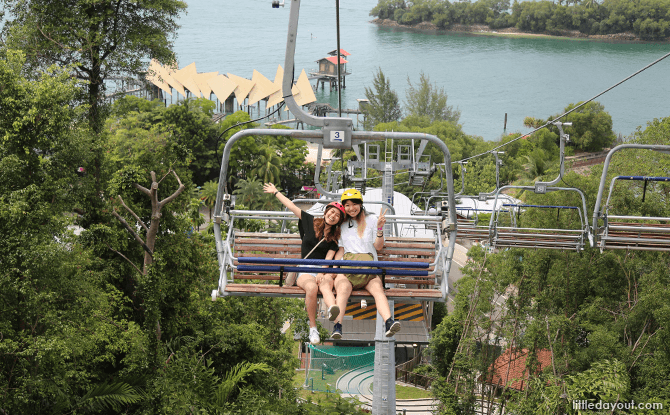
pixel 149 242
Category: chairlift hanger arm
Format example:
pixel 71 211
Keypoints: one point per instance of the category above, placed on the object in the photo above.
pixel 343 124
pixel 563 138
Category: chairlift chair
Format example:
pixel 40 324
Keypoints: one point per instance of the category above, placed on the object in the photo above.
pixel 331 133
pixel 512 235
pixel 632 232
pixel 469 226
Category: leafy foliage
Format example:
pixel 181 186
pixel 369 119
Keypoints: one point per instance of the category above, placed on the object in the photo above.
pixel 648 19
pixel 429 101
pixel 383 105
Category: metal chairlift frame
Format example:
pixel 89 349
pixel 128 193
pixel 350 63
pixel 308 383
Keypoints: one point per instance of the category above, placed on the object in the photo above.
pixel 633 236
pixel 431 192
pixel 336 133
pixel 562 239
pixel 470 228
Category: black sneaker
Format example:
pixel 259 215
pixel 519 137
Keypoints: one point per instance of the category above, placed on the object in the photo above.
pixel 392 327
pixel 337 331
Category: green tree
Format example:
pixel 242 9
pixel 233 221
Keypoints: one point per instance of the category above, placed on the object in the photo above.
pixel 99 41
pixel 59 328
pixel 191 130
pixel 427 100
pixel 443 344
pixel 292 153
pixel 385 9
pixel 383 105
pixel 103 39
pixel 268 163
pixel 591 128
pixel 209 191
pixel 182 135
pixel 249 193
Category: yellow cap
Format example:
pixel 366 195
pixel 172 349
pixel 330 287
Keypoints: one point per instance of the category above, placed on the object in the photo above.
pixel 351 194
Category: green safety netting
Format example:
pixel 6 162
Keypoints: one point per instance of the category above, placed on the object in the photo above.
pixel 328 363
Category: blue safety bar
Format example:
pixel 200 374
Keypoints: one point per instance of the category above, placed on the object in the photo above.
pixel 644 178
pixel 545 206
pixel 328 262
pixel 278 268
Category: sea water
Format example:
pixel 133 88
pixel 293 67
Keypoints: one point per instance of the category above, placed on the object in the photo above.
pixel 485 77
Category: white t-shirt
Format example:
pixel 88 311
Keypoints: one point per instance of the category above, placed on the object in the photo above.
pixel 352 243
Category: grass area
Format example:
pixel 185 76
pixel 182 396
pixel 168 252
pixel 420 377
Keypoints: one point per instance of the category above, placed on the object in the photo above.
pixel 299 381
pixel 409 392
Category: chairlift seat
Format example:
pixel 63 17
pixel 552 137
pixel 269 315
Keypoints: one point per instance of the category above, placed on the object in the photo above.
pixel 646 235
pixel 259 281
pixel 539 238
pixel 640 233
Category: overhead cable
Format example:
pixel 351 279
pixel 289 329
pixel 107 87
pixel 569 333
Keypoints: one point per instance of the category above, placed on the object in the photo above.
pixel 566 113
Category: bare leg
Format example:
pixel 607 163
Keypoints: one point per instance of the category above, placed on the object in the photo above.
pixel 343 290
pixel 326 288
pixel 375 288
pixel 308 283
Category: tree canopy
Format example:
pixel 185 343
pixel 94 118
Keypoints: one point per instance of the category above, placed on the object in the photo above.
pixel 429 101
pixel 102 40
pixel 383 105
pixel 647 19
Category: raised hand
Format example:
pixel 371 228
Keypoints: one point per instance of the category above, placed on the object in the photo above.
pixel 269 188
pixel 381 221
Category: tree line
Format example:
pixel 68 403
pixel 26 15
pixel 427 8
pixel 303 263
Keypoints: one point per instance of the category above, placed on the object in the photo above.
pixel 647 19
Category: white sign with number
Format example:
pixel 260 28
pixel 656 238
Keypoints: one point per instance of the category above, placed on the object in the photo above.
pixel 337 136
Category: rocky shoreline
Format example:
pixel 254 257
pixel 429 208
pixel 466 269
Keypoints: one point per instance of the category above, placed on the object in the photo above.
pixel 507 32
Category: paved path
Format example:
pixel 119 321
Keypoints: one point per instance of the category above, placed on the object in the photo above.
pixel 358 383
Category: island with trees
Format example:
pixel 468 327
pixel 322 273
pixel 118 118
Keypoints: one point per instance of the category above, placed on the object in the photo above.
pixel 614 20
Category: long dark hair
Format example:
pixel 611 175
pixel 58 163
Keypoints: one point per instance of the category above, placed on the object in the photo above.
pixel 332 234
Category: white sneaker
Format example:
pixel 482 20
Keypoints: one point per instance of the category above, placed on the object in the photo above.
pixel 314 336
pixel 333 312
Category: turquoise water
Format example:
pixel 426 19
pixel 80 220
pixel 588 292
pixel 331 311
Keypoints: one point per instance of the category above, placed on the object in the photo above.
pixel 485 77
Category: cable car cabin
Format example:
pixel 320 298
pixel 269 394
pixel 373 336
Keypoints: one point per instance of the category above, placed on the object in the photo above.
pixel 257 264
pixel 634 232
pixel 507 232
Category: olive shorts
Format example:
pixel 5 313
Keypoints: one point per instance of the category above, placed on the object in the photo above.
pixel 359 280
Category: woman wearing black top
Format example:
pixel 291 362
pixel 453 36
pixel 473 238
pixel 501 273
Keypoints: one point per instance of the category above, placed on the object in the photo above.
pixel 322 233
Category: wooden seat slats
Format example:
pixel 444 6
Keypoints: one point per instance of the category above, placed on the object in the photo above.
pixel 636 236
pixel 270 290
pixel 275 245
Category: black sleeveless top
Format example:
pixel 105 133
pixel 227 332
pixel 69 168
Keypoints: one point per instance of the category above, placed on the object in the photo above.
pixel 309 240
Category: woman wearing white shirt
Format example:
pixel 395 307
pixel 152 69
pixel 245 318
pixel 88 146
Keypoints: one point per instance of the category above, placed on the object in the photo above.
pixel 361 237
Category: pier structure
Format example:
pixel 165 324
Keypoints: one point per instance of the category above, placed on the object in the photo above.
pixel 327 71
